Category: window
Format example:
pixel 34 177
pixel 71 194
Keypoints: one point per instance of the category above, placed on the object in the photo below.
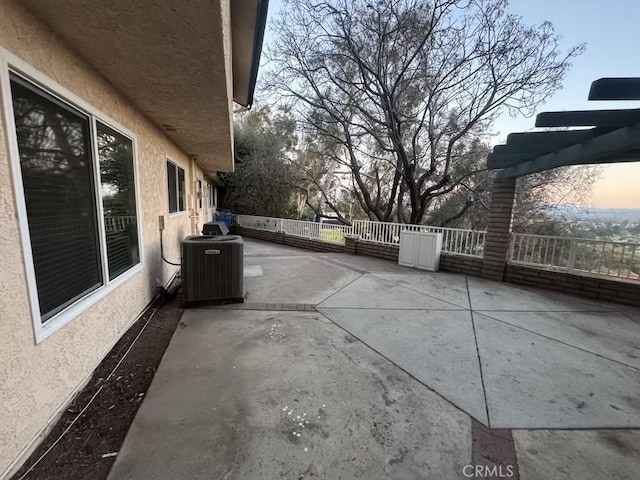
pixel 175 185
pixel 212 195
pixel 200 194
pixel 118 192
pixel 60 169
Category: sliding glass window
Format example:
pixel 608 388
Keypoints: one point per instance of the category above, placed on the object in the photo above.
pixel 58 167
pixel 175 188
pixel 118 192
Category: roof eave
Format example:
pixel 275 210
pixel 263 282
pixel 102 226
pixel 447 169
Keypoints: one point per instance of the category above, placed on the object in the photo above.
pixel 247 18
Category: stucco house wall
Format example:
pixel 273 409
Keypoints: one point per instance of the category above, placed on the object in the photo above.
pixel 38 379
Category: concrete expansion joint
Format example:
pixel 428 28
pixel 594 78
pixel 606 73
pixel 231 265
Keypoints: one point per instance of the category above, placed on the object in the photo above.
pixel 631 318
pixel 566 344
pixel 272 307
pixel 394 363
pixel 475 340
pixel 280 255
pixel 407 287
pixel 343 265
pixel 345 286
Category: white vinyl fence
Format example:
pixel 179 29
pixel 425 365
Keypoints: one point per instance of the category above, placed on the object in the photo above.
pixel 576 255
pixel 454 241
pixel 258 223
pixel 570 255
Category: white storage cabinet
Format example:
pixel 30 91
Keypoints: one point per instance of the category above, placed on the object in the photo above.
pixel 420 250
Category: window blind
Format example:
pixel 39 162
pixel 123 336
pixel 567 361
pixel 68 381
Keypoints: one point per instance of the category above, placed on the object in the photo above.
pixel 58 180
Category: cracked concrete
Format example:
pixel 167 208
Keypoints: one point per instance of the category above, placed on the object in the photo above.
pixel 509 356
pixel 232 400
pixel 383 381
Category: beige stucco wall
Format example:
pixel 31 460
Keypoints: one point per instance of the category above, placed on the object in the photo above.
pixel 36 380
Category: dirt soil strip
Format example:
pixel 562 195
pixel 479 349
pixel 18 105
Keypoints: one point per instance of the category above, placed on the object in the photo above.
pixel 493 447
pixel 87 450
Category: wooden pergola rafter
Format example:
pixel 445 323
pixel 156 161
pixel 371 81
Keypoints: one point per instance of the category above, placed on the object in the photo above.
pixel 588 136
pixel 580 138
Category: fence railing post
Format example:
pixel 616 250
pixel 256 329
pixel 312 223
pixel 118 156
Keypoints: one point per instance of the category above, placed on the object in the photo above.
pixel 571 262
pixel 512 247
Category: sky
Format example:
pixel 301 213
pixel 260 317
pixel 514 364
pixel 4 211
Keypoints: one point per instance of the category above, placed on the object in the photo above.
pixel 610 30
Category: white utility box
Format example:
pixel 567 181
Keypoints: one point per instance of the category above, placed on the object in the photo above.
pixel 420 250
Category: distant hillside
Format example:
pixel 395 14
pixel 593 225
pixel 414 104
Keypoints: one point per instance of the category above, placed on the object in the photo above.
pixel 632 215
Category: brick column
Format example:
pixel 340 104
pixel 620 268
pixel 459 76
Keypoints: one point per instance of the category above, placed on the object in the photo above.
pixel 350 244
pixel 496 245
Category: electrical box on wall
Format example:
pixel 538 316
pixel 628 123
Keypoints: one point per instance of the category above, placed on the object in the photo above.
pixel 161 222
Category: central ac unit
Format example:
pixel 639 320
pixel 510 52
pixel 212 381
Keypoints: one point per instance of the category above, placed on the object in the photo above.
pixel 212 269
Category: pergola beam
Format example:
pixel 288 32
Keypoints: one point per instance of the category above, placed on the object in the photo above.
pixel 522 147
pixel 553 139
pixel 499 160
pixel 589 118
pixel 615 139
pixel 615 89
pixel 612 147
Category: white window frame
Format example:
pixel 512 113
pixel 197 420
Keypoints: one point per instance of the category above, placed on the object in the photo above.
pixel 213 196
pixel 177 165
pixel 205 194
pixel 9 63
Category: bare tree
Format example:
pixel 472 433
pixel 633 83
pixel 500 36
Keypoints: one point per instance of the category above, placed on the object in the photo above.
pixel 403 90
pixel 538 199
pixel 320 180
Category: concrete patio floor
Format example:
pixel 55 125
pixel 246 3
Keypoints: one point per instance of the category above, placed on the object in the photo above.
pixel 350 367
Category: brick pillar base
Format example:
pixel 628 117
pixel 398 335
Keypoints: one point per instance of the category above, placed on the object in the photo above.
pixel 350 244
pixel 496 245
